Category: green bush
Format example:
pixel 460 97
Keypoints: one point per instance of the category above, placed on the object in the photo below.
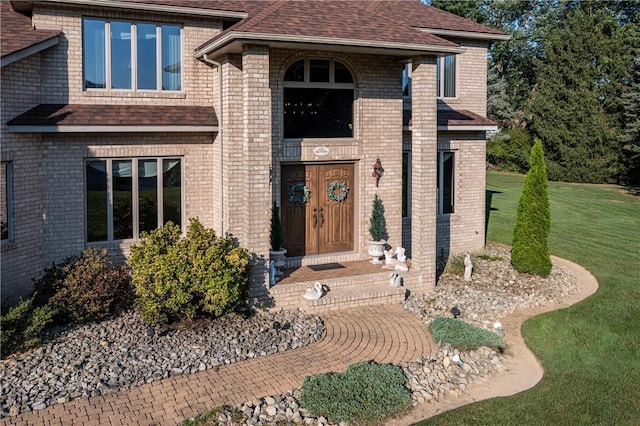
pixel 178 278
pixel 85 288
pixel 530 250
pixel 21 326
pixel 364 393
pixel 462 335
pixel 509 150
pixel 377 223
pixel 455 265
pixel 275 234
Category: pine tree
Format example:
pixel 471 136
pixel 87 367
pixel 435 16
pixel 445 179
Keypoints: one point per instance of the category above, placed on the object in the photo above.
pixel 275 236
pixel 377 222
pixel 530 251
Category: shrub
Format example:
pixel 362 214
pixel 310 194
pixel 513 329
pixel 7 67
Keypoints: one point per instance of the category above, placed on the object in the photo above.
pixel 376 221
pixel 275 234
pixel 85 288
pixel 455 265
pixel 364 393
pixel 530 251
pixel 180 278
pixel 21 326
pixel 462 335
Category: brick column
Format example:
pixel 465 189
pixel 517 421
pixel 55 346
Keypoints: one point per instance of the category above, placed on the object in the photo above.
pixel 256 146
pixel 423 170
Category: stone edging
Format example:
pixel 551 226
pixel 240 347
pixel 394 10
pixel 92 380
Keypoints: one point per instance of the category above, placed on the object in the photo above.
pixel 522 369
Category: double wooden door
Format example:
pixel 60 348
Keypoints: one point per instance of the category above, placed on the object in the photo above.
pixel 317 208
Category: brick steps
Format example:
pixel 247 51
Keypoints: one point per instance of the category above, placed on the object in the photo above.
pixel 344 292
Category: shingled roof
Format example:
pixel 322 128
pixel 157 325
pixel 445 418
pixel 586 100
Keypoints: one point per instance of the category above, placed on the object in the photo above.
pixel 18 38
pixel 460 120
pixel 52 118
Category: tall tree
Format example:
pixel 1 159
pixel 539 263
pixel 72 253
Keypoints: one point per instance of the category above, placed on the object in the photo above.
pixel 530 250
pixel 574 107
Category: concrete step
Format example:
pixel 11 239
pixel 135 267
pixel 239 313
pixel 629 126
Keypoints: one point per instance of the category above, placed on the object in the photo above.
pixel 344 292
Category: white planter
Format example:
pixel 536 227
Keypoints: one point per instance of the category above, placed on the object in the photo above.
pixel 376 250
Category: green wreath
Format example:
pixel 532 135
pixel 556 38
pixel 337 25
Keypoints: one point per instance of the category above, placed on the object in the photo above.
pixel 337 185
pixel 299 193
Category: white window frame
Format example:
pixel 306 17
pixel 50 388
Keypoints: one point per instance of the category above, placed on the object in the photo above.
pixel 440 187
pixel 135 195
pixel 134 56
pixel 9 200
pixel 440 63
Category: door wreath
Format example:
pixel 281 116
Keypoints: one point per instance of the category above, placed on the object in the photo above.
pixel 299 193
pixel 342 189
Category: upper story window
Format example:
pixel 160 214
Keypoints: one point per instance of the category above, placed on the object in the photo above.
pixel 445 78
pixel 318 99
pixel 131 55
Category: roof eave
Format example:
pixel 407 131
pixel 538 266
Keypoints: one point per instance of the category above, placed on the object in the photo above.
pixel 230 38
pixel 20 128
pixel 28 51
pixel 485 128
pixel 120 4
pixel 466 34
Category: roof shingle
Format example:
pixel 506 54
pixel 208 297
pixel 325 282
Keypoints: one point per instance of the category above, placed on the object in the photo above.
pixel 17 33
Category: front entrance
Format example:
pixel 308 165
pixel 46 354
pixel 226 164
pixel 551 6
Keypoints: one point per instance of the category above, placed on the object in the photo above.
pixel 317 208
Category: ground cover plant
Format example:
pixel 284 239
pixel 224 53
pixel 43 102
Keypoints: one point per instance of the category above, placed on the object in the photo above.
pixel 365 393
pixel 590 351
pixel 462 335
pixel 21 326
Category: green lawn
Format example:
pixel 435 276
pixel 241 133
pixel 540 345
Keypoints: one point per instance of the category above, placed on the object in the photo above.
pixel 591 351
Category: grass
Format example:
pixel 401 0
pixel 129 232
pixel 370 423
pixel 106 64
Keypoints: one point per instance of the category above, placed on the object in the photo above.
pixel 590 351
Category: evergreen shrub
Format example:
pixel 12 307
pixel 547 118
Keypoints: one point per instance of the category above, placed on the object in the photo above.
pixel 462 335
pixel 509 150
pixel 530 250
pixel 21 326
pixel 275 234
pixel 364 393
pixel 376 221
pixel 177 278
pixel 85 288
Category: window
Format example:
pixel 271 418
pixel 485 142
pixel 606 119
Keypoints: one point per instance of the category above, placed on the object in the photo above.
pixel 6 209
pixel 406 80
pixel 446 77
pixel 318 99
pixel 445 182
pixel 128 196
pixel 131 56
pixel 406 183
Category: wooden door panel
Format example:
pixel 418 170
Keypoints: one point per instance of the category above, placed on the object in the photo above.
pixel 293 214
pixel 336 231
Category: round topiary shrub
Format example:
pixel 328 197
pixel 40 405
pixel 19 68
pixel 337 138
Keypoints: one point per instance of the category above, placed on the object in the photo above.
pixel 177 278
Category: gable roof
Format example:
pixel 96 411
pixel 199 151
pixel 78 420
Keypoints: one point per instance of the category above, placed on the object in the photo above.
pixel 54 118
pixel 433 20
pixel 18 38
pixel 331 23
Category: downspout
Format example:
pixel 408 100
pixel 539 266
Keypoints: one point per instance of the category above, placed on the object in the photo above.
pixel 218 65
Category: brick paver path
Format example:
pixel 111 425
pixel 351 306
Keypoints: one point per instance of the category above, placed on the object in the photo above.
pixel 385 334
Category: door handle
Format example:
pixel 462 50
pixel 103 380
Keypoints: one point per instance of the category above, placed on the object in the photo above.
pixel 321 216
pixel 315 218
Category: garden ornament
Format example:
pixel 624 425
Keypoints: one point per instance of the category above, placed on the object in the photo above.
pixel 314 292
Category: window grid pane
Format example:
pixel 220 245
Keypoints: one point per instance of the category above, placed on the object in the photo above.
pixel 147 195
pixel 450 76
pixel 172 192
pixel 97 200
pixel 122 199
pixel 147 60
pixel 94 62
pixel 120 55
pixel 171 54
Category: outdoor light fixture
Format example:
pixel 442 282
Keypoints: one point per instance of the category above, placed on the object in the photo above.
pixel 455 312
pixel 456 358
pixel 498 326
pixel 378 171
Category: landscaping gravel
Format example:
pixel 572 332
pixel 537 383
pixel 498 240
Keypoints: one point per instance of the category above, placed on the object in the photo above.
pixel 123 352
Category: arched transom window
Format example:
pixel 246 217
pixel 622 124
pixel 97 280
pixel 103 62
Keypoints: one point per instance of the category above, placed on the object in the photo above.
pixel 318 99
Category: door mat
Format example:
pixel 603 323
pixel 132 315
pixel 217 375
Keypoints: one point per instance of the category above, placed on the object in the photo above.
pixel 325 266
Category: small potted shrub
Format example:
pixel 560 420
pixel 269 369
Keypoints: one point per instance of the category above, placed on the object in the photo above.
pixel 377 227
pixel 277 253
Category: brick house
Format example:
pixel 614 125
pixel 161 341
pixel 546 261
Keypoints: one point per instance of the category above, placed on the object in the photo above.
pixel 118 116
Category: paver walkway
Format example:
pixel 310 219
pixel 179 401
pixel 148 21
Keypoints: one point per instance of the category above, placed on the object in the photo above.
pixel 385 334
